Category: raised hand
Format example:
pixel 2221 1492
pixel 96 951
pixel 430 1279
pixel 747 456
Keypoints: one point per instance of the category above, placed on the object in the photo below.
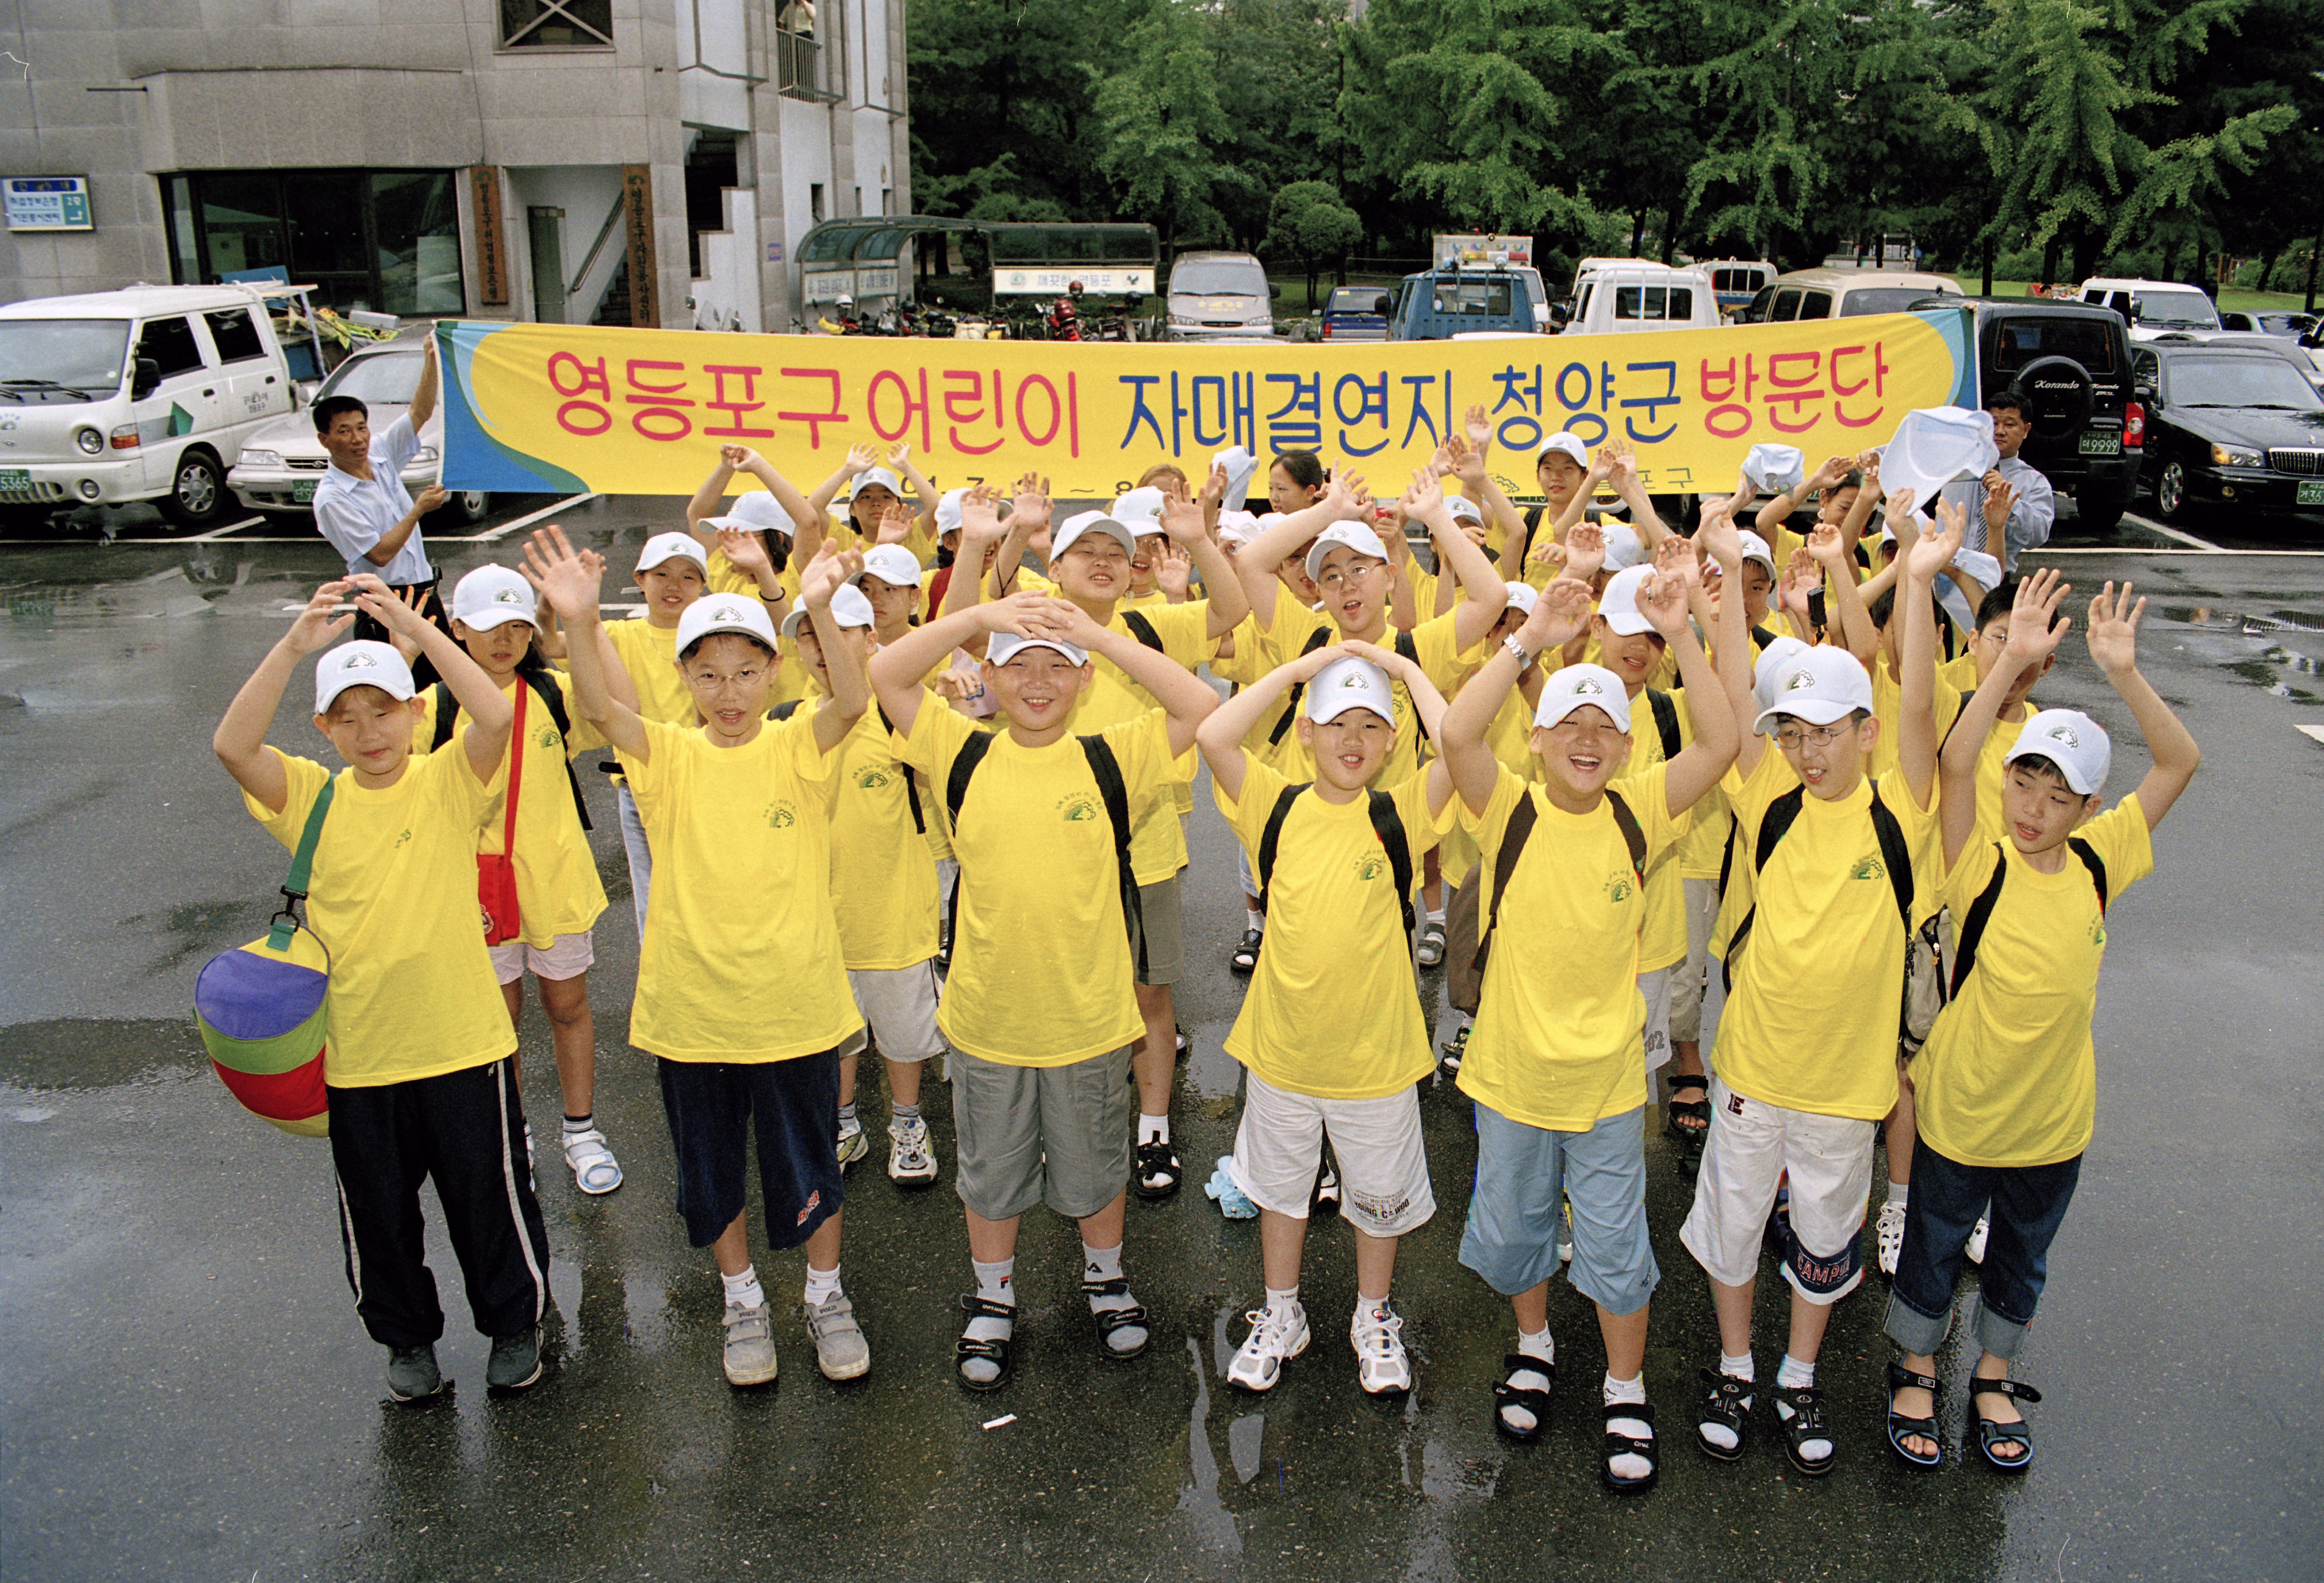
pixel 1720 541
pixel 900 454
pixel 2114 630
pixel 1346 494
pixel 858 458
pixel 1677 557
pixel 737 457
pixel 1548 552
pixel 743 551
pixel 428 500
pixel 895 524
pixel 1929 553
pixel 2032 637
pixel 1440 461
pixel 1031 509
pixel 1600 468
pixel 1559 616
pixel 1801 578
pixel 1479 428
pixel 1182 515
pixel 1014 613
pixel 1468 467
pixel 2000 499
pixel 1214 491
pixel 1425 498
pixel 1065 620
pixel 1824 546
pixel 316 627
pixel 1662 599
pixel 1309 665
pixel 1833 473
pixel 1585 550
pixel 825 574
pixel 980 517
pixel 1624 472
pixel 1174 570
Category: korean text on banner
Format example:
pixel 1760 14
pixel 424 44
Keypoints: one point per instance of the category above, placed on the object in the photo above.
pixel 567 407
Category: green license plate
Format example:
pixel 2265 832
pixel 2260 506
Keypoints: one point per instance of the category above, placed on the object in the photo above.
pixel 16 478
pixel 303 490
pixel 2101 442
pixel 2311 491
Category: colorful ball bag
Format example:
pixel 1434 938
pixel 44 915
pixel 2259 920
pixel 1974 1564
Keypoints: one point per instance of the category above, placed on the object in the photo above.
pixel 264 1008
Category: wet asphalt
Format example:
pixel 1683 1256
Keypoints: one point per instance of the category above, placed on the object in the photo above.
pixel 184 1392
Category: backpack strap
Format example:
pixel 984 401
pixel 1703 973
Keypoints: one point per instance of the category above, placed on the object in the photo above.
pixel 1389 827
pixel 288 922
pixel 963 765
pixel 1272 836
pixel 1972 928
pixel 515 776
pixel 1633 835
pixel 2094 863
pixel 1115 794
pixel 785 710
pixel 1896 856
pixel 1761 637
pixel 447 709
pixel 1514 835
pixel 1142 630
pixel 545 689
pixel 1666 713
pixel 1315 639
pixel 1774 825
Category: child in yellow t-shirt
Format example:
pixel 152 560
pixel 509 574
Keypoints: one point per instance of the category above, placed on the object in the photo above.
pixel 2007 1080
pixel 418 1071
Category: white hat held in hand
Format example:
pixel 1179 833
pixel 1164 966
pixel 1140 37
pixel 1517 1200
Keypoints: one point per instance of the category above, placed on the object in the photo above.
pixel 1349 682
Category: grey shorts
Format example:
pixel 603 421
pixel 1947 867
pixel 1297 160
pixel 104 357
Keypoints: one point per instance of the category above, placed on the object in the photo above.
pixel 1164 926
pixel 900 1009
pixel 1053 1135
pixel 1702 901
pixel 1522 1173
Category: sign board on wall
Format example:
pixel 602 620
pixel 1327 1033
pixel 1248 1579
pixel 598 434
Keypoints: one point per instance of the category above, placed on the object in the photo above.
pixel 46 203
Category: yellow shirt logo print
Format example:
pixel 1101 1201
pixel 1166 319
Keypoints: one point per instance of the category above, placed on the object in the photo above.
pixel 1618 889
pixel 1079 809
pixel 872 779
pixel 1371 867
pixel 781 815
pixel 1867 869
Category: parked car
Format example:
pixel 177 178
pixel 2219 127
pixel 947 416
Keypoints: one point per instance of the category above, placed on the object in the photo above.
pixel 1833 293
pixel 140 394
pixel 1439 304
pixel 2231 424
pixel 2072 359
pixel 1216 294
pixel 2154 308
pixel 1356 313
pixel 1629 297
pixel 2284 327
pixel 283 462
pixel 1737 281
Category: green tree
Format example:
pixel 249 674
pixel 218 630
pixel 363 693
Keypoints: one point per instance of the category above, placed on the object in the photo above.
pixel 1307 221
pixel 1160 124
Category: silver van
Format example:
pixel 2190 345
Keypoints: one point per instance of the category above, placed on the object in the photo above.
pixel 1217 295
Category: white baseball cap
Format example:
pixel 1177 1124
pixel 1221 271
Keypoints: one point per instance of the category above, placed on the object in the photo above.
pixel 1976 562
pixel 1349 682
pixel 1775 467
pixel 1087 522
pixel 1236 527
pixel 1002 645
pixel 948 511
pixel 1460 505
pixel 1140 510
pixel 849 608
pixel 1619 603
pixel 1240 464
pixel 1624 548
pixel 1778 652
pixel 1568 442
pixel 1577 685
pixel 493 596
pixel 1354 535
pixel 1523 597
pixel 883 477
pixel 758 509
pixel 891 562
pixel 2071 740
pixel 1824 685
pixel 1933 446
pixel 724 612
pixel 669 546
pixel 360 664
pixel 1754 548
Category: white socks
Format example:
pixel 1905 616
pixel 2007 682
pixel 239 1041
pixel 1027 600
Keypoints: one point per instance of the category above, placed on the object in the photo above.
pixel 1254 920
pixel 1104 1264
pixel 992 1285
pixel 822 1285
pixel 1898 1193
pixel 1437 915
pixel 1286 1298
pixel 743 1291
pixel 1153 1128
pixel 1536 1345
pixel 1740 1367
pixel 1628 1392
pixel 1791 1374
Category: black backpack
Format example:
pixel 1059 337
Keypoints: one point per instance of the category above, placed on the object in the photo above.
pixel 1980 911
pixel 1381 806
pixel 1143 630
pixel 1519 830
pixel 1896 856
pixel 1112 790
pixel 1666 713
pixel 447 710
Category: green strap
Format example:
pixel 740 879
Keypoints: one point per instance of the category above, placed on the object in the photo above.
pixel 287 921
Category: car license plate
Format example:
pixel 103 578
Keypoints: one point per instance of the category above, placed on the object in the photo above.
pixel 2101 442
pixel 2311 491
pixel 303 490
pixel 16 478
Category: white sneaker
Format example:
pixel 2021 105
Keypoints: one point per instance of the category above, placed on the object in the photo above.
pixel 1975 1249
pixel 1889 1236
pixel 749 1351
pixel 1378 1336
pixel 1277 1335
pixel 1565 1232
pixel 852 1145
pixel 910 1158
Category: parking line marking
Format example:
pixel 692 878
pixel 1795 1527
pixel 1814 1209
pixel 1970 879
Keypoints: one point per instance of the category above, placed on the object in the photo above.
pixel 2147 550
pixel 2189 539
pixel 2313 732
pixel 221 532
pixel 507 527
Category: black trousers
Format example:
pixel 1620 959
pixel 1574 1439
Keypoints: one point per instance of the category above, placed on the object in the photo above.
pixel 431 605
pixel 465 1131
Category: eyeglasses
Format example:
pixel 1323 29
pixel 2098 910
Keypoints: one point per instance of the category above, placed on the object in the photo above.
pixel 1792 737
pixel 1339 577
pixel 742 680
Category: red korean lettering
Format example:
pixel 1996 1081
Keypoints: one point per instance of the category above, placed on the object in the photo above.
pixel 816 420
pixel 1056 409
pixel 912 407
pixel 1877 378
pixel 1727 392
pixel 734 407
pixel 575 416
pixel 1789 376
pixel 659 403
pixel 963 403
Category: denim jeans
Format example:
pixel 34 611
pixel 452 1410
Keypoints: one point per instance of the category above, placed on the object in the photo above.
pixel 634 845
pixel 2027 1203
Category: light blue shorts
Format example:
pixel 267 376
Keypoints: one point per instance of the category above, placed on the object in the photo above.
pixel 1523 1173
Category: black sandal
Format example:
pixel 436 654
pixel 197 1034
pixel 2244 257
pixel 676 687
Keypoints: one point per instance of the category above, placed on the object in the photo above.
pixel 1156 1159
pixel 1729 1406
pixel 1899 1426
pixel 1991 1431
pixel 993 1350
pixel 1805 1423
pixel 1623 1445
pixel 1688 1120
pixel 1245 959
pixel 1533 1400
pixel 1110 1319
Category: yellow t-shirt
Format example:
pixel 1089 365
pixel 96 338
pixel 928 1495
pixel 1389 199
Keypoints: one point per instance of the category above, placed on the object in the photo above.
pixel 650 655
pixel 1888 708
pixel 1663 941
pixel 558 890
pixel 884 871
pixel 1811 1024
pixel 2008 1076
pixel 1993 768
pixel 1961 671
pixel 393 899
pixel 741 961
pixel 1559 1040
pixel 1332 1010
pixel 1041 968
pixel 1157 842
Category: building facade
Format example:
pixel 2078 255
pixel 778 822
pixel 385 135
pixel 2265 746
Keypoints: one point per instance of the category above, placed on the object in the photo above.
pixel 611 162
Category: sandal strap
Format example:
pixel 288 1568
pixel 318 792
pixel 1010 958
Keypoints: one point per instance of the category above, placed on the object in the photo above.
pixel 1806 1402
pixel 1644 1412
pixel 1533 1398
pixel 993 1348
pixel 1728 1391
pixel 976 1307
pixel 1118 1286
pixel 1699 1080
pixel 2001 1387
pixel 1900 1378
pixel 1110 1319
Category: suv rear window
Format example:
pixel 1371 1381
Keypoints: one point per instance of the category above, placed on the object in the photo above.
pixel 1490 297
pixel 1880 299
pixel 1653 302
pixel 1353 299
pixel 2089 342
pixel 169 343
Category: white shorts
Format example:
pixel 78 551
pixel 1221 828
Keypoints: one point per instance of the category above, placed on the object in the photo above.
pixel 900 1009
pixel 1383 1169
pixel 568 956
pixel 1752 1146
pixel 1656 988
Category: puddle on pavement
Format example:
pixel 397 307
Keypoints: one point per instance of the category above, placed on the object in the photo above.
pixel 1198 1498
pixel 97 1053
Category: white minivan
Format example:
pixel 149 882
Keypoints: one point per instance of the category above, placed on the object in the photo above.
pixel 141 394
pixel 1629 295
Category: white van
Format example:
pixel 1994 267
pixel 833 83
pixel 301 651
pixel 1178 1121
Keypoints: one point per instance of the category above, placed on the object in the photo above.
pixel 1632 296
pixel 1829 293
pixel 144 393
pixel 2154 308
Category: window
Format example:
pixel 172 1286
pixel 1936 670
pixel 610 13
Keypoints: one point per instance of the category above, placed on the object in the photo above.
pixel 1883 300
pixel 1664 302
pixel 234 335
pixel 387 240
pixel 557 24
pixel 416 235
pixel 1815 305
pixel 2088 341
pixel 814 201
pixel 170 343
pixel 1787 306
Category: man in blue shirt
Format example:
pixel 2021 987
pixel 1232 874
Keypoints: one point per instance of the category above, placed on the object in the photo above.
pixel 362 506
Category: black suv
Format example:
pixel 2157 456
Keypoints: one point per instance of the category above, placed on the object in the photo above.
pixel 2234 421
pixel 2072 361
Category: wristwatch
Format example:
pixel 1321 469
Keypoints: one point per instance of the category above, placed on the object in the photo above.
pixel 1516 651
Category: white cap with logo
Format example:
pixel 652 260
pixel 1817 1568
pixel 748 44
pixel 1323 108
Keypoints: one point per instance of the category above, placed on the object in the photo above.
pixel 1579 684
pixel 1353 535
pixel 1778 652
pixel 2073 741
pixel 1565 442
pixel 878 477
pixel 1002 645
pixel 948 511
pixel 757 510
pixel 493 596
pixel 724 612
pixel 1775 467
pixel 1464 508
pixel 360 664
pixel 1754 548
pixel 1824 685
pixel 891 562
pixel 1087 522
pixel 665 547
pixel 849 608
pixel 1349 682
pixel 1623 549
pixel 1140 510
pixel 1618 605
pixel 1523 597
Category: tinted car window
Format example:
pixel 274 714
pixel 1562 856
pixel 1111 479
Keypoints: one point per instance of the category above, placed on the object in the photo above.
pixel 1757 310
pixel 234 335
pixel 1218 278
pixel 2190 308
pixel 1880 299
pixel 1787 306
pixel 2089 342
pixel 1815 305
pixel 170 343
pixel 1473 297
pixel 1653 302
pixel 1352 299
pixel 2238 382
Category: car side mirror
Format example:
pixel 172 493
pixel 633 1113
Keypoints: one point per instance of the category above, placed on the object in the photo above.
pixel 1560 314
pixel 147 377
pixel 1274 290
pixel 1379 305
pixel 2147 394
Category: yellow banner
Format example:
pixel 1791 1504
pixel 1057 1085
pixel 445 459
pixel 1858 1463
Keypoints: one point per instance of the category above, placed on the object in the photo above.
pixel 564 408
